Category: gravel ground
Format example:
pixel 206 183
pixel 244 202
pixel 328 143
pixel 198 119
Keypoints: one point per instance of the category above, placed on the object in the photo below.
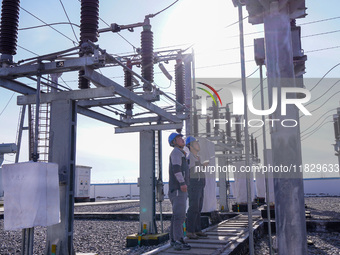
pixel 96 236
pixel 321 243
pixel 109 237
pixel 324 207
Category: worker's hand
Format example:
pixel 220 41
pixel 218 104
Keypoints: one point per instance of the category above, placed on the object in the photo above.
pixel 206 163
pixel 184 188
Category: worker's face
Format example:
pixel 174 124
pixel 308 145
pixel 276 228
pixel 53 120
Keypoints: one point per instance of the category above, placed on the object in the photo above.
pixel 179 141
pixel 196 146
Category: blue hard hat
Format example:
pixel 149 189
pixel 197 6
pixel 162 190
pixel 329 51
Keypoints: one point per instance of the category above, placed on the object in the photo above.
pixel 172 137
pixel 189 140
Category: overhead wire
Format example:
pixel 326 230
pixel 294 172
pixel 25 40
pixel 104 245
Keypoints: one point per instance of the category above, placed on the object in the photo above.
pixel 315 130
pixel 236 22
pixel 259 85
pixel 151 15
pixel 224 64
pixel 234 48
pixel 245 77
pixel 324 76
pixel 316 99
pixel 317 21
pixel 154 15
pixel 7 104
pixel 322 49
pixel 68 20
pixel 258 92
pixel 307 23
pixel 322 116
pixel 65 83
pixel 50 24
pixel 28 50
pixel 327 100
pixel 75 43
pixel 325 33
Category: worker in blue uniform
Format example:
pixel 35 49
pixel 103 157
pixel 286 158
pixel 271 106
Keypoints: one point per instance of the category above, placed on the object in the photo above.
pixel 178 185
pixel 195 190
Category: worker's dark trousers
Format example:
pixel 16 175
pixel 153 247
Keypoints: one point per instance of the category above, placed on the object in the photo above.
pixel 178 200
pixel 195 193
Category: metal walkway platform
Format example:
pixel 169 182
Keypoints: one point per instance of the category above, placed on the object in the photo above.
pixel 223 238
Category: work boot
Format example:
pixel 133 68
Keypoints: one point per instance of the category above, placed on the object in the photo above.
pixel 201 234
pixel 179 246
pixel 186 246
pixel 191 235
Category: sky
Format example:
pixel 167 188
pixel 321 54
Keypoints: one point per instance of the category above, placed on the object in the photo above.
pixel 201 25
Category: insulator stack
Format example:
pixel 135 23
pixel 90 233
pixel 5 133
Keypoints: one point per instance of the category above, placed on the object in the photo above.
pixel 89 20
pixel 179 84
pixel 128 85
pixel 147 56
pixel 9 28
pixel 83 82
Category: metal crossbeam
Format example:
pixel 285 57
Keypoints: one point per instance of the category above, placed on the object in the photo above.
pixel 152 119
pixel 48 68
pixel 141 128
pixel 23 89
pixel 101 80
pixel 16 86
pixel 68 95
pixel 115 101
pixel 100 117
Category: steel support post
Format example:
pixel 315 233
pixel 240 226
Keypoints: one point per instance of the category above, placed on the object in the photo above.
pixel 147 183
pixel 339 155
pixel 62 151
pixel 160 176
pixel 246 134
pixel 338 137
pixel 193 110
pixel 286 143
pixel 21 127
pixel 188 92
pixel 265 162
pixel 222 177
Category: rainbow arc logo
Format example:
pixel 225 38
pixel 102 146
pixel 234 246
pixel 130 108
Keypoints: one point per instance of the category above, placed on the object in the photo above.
pixel 204 100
